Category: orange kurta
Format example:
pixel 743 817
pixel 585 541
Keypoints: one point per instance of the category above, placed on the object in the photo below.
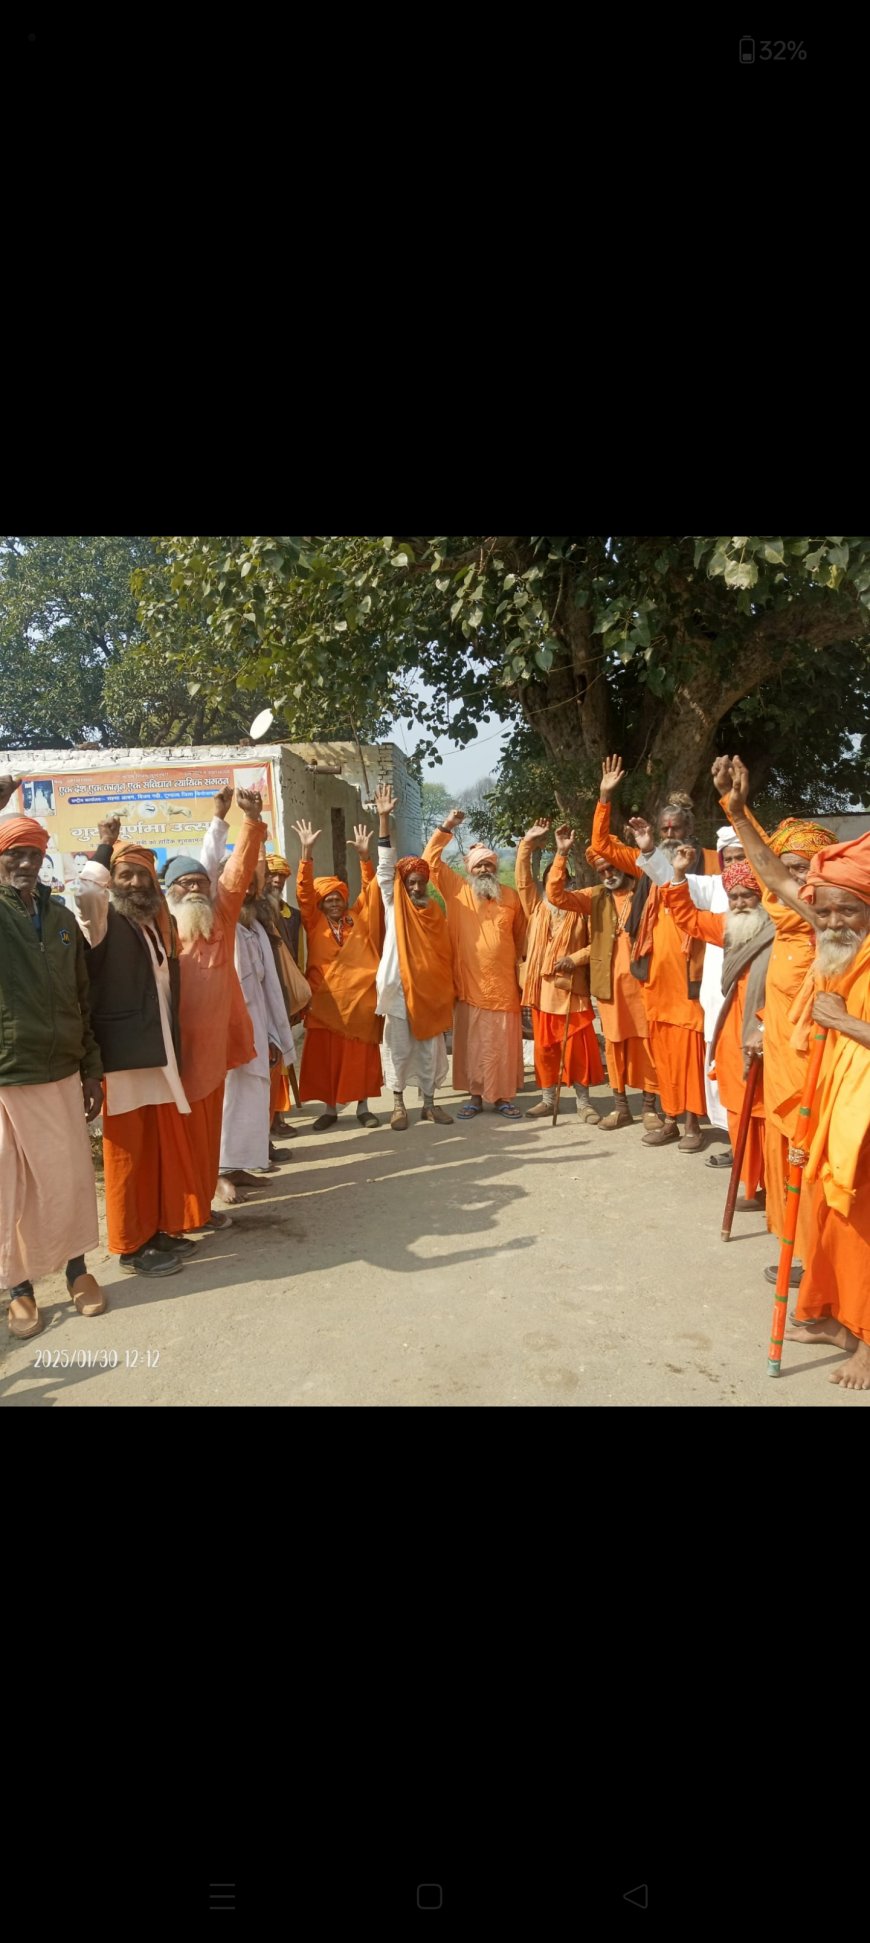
pixel 212 1011
pixel 710 925
pixel 785 1068
pixel 836 1281
pixel 335 1068
pixel 676 1021
pixel 623 1016
pixel 487 939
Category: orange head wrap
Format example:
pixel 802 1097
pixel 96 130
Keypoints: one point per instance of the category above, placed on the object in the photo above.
pixel 406 865
pixel 841 867
pixel 804 839
pixel 278 865
pixel 135 853
pixel 324 887
pixel 21 833
pixel 477 855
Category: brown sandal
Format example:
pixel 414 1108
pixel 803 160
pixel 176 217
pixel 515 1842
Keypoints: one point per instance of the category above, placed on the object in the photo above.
pixel 399 1120
pixel 616 1119
pixel 662 1136
pixel 589 1115
pixel 87 1295
pixel 691 1143
pixel 21 1328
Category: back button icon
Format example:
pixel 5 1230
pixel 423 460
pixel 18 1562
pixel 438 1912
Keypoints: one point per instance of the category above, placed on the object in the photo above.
pixel 640 1896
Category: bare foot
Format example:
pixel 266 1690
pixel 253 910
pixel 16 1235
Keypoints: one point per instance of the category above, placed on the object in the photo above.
pixel 227 1190
pixel 826 1330
pixel 854 1375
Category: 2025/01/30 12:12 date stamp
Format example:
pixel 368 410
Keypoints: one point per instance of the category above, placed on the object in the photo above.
pixel 96 1359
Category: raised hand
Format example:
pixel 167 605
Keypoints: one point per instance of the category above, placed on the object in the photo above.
pixel 641 831
pixel 307 837
pixel 250 803
pixel 110 830
pixel 564 839
pixel 361 839
pixel 8 786
pixel 722 774
pixel 684 858
pixel 739 793
pixel 538 834
pixel 221 801
pixel 385 799
pixel 453 821
pixel 612 773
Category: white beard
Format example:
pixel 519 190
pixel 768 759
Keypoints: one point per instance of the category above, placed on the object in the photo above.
pixel 834 957
pixel 486 888
pixel 194 917
pixel 670 845
pixel 740 926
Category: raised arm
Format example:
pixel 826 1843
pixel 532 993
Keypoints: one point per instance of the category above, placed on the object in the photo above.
pixel 709 925
pixel 233 883
pixel 556 888
pixel 306 896
pixel 527 890
pixel 214 843
pixel 770 869
pixel 90 901
pixel 447 881
pixel 385 804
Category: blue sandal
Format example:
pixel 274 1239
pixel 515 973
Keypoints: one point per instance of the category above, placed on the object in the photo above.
pixel 509 1112
pixel 469 1112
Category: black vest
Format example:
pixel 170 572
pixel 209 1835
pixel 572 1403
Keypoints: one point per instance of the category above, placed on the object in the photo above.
pixel 125 1011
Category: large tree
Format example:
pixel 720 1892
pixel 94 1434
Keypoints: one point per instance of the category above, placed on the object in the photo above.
pixel 651 645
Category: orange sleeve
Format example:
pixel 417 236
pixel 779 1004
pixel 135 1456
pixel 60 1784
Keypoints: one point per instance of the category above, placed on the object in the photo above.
pixel 709 925
pixel 609 846
pixel 239 869
pixel 521 929
pixel 723 805
pixel 527 890
pixel 445 880
pixel 367 873
pixel 305 895
pixel 558 893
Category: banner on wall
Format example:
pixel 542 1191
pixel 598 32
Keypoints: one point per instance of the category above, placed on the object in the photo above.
pixel 168 809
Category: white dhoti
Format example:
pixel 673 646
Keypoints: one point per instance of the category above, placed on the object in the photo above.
pixel 405 1058
pixel 711 999
pixel 247 1110
pixel 245 1125
pixel 48 1200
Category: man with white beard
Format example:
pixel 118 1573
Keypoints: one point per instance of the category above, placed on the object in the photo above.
pixel 745 938
pixel 487 929
pixel 244 1136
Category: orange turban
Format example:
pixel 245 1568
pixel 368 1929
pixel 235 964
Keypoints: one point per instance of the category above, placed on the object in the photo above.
pixel 805 839
pixel 594 857
pixel 842 867
pixel 135 853
pixel 20 832
pixel 278 865
pixel 477 854
pixel 324 887
pixel 405 866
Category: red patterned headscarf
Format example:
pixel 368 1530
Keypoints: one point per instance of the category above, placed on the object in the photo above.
pixel 740 876
pixel 804 839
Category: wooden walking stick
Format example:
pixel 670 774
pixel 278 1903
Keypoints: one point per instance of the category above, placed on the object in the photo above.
pixel 749 1091
pixel 793 1186
pixel 564 1054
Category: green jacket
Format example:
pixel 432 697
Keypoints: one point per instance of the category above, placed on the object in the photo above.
pixel 45 1020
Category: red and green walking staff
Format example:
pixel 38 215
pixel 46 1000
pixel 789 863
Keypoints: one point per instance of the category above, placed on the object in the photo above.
pixel 792 1202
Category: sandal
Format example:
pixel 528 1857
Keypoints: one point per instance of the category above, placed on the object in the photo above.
pixel 720 1160
pixel 326 1120
pixel 507 1111
pixel 399 1120
pixel 19 1327
pixel 469 1112
pixel 662 1136
pixel 367 1120
pixel 652 1122
pixel 691 1143
pixel 616 1119
pixel 589 1116
pixel 87 1295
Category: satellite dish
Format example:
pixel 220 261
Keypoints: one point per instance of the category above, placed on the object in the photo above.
pixel 261 723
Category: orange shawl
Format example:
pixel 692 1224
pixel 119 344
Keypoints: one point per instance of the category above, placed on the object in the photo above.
pixel 545 950
pixel 841 1109
pixel 346 1000
pixel 425 963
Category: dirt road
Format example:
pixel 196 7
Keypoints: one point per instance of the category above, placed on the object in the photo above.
pixel 484 1263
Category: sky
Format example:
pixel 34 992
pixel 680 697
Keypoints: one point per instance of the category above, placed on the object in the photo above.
pixel 460 767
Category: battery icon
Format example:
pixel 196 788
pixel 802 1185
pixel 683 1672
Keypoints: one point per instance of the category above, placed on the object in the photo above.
pixel 747 50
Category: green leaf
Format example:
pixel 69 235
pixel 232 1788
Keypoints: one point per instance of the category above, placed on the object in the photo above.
pixel 774 551
pixel 544 658
pixel 813 559
pixel 510 580
pixel 838 555
pixel 401 560
pixel 741 573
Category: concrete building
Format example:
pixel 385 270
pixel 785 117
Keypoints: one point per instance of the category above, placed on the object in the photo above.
pixel 364 766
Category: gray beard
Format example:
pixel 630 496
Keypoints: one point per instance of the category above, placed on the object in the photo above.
pixel 247 915
pixel 832 957
pixel 670 845
pixel 138 906
pixel 740 926
pixel 194 917
pixel 486 888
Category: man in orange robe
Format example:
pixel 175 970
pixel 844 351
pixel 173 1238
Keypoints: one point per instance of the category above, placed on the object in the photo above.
pixel 782 863
pixel 669 964
pixel 557 989
pixel 487 929
pixel 833 1305
pixel 618 994
pixel 337 1066
pixel 747 937
pixel 284 926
